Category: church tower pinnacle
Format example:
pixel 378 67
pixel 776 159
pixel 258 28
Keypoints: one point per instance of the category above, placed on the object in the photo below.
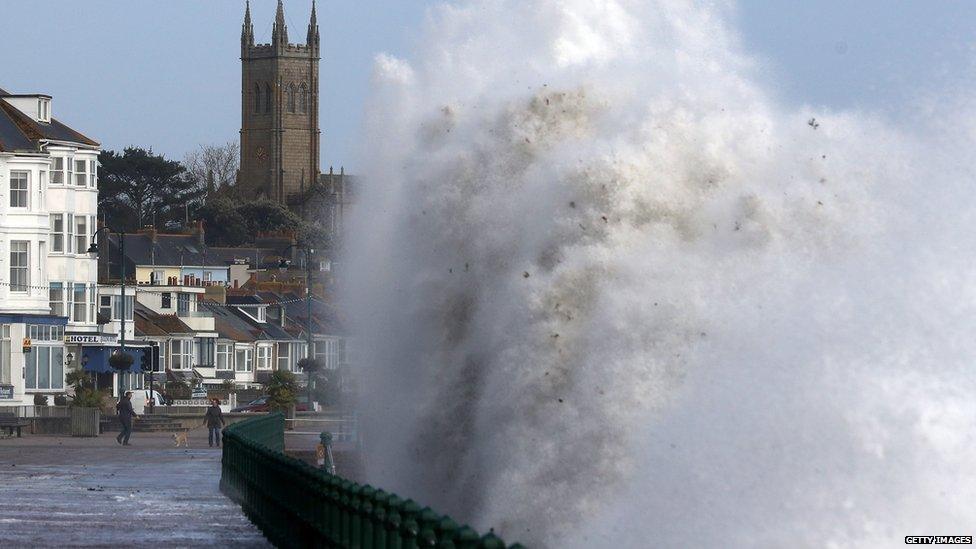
pixel 247 29
pixel 312 38
pixel 279 33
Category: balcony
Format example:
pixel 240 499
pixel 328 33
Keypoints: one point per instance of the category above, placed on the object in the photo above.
pixel 199 321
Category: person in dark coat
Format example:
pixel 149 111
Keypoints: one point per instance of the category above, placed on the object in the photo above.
pixel 215 421
pixel 126 415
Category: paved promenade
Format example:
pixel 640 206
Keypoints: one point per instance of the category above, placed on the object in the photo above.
pixel 91 492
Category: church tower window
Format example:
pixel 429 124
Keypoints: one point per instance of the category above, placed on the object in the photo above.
pixel 303 98
pixel 257 98
pixel 291 98
pixel 267 98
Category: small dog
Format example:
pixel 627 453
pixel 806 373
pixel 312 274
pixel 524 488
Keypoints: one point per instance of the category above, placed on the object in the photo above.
pixel 180 438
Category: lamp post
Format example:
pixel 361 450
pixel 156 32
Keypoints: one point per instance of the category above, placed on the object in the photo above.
pixel 93 249
pixel 283 264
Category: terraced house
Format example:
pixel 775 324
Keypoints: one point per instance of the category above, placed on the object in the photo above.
pixel 48 201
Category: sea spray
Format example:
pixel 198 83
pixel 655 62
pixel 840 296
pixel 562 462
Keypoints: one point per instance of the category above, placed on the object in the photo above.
pixel 608 293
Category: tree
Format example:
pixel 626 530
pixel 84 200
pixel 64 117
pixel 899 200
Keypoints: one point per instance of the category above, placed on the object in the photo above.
pixel 282 390
pixel 232 223
pixel 214 168
pixel 138 187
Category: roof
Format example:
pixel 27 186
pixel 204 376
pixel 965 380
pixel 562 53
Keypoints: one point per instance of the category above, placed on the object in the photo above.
pixel 150 323
pixel 27 129
pixel 229 326
pixel 184 250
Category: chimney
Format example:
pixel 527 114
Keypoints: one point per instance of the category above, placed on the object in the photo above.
pixel 199 232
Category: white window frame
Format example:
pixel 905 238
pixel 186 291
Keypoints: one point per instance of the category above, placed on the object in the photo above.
pixel 92 174
pixel 57 170
pixel 19 197
pixel 263 357
pixel 225 351
pixel 57 233
pixel 246 354
pixel 53 350
pixel 81 233
pixel 69 241
pixel 5 356
pixel 25 253
pixel 77 305
pixel 56 304
pixel 284 358
pixel 81 176
pixel 181 351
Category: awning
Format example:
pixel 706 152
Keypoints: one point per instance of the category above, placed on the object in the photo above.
pixel 97 358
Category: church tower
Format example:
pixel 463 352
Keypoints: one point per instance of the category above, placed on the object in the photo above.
pixel 279 111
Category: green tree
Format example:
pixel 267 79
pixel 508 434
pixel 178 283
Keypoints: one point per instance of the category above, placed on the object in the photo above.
pixel 138 187
pixel 225 225
pixel 282 390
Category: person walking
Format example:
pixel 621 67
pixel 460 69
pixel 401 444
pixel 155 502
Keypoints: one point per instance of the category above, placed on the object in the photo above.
pixel 126 415
pixel 215 421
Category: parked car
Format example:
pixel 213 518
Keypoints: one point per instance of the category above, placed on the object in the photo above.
pixel 261 405
pixel 198 392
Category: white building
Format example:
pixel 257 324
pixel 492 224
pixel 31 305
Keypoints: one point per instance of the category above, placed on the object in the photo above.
pixel 48 202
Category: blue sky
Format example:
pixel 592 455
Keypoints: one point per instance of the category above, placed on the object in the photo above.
pixel 166 74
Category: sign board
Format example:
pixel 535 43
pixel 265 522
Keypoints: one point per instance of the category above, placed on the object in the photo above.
pixel 6 392
pixel 27 344
pixel 90 338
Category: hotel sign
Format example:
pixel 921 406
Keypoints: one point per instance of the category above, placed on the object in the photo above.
pixel 89 338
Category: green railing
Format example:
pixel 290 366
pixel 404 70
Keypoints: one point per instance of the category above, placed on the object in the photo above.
pixel 297 505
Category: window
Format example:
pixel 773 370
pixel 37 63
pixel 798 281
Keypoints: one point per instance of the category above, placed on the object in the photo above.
pixel 57 233
pixel 182 354
pixel 286 358
pixel 262 314
pixel 208 276
pixel 81 233
pixel 291 98
pixel 205 352
pixel 264 357
pixel 267 97
pixel 44 364
pixel 105 307
pixel 5 356
pixel 56 299
pixel 92 303
pixel 19 265
pixel 166 300
pixel 242 363
pixel 157 277
pixel 223 356
pixel 92 181
pixel 71 234
pixel 57 170
pixel 68 163
pixel 117 309
pixel 79 297
pixel 257 98
pixel 81 173
pixel 19 183
pixel 303 98
pixel 182 303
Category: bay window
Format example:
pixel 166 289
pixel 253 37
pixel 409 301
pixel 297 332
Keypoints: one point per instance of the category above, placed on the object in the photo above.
pixel 117 309
pixel 242 362
pixel 105 306
pixel 56 299
pixel 79 300
pixel 92 182
pixel 284 356
pixel 57 170
pixel 205 352
pixel 57 233
pixel 19 265
pixel 264 357
pixel 224 356
pixel 19 185
pixel 81 233
pixel 182 354
pixel 71 234
pixel 81 173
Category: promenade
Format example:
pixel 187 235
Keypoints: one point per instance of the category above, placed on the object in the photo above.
pixel 91 492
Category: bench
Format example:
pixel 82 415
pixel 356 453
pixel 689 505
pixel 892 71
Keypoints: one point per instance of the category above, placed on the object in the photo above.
pixel 9 424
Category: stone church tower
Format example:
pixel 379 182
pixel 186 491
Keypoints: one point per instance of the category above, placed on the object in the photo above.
pixel 279 111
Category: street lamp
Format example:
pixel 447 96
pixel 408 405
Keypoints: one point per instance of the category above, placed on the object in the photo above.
pixel 93 249
pixel 310 358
